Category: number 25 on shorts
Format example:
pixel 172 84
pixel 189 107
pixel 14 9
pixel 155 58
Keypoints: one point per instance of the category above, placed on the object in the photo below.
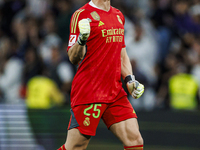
pixel 95 109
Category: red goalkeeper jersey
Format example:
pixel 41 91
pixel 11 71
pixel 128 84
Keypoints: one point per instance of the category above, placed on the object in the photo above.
pixel 98 78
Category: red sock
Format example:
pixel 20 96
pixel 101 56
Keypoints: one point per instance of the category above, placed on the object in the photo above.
pixel 137 147
pixel 62 148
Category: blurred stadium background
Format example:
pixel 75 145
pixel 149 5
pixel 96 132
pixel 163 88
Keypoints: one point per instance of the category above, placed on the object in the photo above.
pixel 163 42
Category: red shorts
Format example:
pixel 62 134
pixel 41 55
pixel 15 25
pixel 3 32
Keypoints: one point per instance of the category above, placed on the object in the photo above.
pixel 86 117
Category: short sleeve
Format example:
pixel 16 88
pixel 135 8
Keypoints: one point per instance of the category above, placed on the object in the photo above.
pixel 74 30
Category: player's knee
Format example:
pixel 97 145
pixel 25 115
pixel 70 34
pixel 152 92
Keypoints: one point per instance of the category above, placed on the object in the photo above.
pixel 133 139
pixel 140 140
pixel 79 146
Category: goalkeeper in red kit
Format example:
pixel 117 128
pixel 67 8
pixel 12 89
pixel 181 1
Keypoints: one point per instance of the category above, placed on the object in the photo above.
pixel 97 46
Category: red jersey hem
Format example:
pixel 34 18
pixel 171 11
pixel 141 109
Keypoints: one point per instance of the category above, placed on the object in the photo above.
pixel 119 95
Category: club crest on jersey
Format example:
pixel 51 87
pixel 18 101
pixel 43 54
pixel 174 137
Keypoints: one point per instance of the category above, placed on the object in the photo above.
pixel 95 15
pixel 119 19
pixel 86 122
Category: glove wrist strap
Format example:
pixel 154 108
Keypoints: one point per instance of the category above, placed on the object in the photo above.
pixel 80 41
pixel 129 78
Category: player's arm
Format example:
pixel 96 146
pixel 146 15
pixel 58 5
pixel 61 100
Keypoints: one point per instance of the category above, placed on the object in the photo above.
pixel 76 53
pixel 78 50
pixel 126 68
pixel 134 87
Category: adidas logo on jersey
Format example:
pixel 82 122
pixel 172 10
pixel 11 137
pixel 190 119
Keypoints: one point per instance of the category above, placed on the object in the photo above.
pixel 101 23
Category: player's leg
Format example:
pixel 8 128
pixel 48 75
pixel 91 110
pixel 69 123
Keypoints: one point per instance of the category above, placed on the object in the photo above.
pixel 120 118
pixel 75 141
pixel 128 132
pixel 83 123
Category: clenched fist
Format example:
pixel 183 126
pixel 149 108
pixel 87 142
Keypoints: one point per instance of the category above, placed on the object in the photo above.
pixel 135 88
pixel 84 28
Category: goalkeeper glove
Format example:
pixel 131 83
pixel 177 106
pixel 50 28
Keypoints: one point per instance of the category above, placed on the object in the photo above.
pixel 84 28
pixel 135 88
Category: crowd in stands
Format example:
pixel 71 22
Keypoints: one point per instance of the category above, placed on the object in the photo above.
pixel 162 40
